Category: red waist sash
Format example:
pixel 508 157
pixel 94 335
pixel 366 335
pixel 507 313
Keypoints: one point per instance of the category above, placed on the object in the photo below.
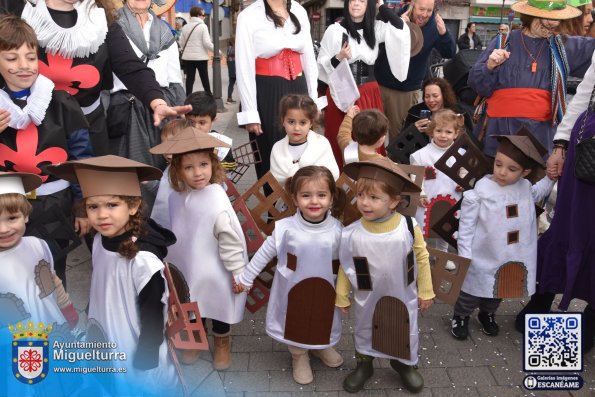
pixel 286 64
pixel 531 103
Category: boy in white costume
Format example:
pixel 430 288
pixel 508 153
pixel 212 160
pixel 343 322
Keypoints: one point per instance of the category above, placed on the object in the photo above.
pixel 384 257
pixel 498 232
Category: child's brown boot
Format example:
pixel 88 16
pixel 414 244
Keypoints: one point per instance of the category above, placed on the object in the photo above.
pixel 222 355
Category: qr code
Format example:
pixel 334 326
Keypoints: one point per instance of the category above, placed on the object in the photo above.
pixel 553 342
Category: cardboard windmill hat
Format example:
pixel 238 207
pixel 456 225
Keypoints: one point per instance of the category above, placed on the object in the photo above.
pixel 523 148
pixel 384 170
pixel 189 139
pixel 18 182
pixel 548 9
pixel 106 175
pixel 417 38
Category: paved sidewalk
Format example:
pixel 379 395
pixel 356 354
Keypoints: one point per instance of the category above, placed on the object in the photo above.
pixel 480 366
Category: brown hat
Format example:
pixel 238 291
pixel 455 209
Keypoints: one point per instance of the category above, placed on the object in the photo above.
pixel 189 139
pixel 18 182
pixel 523 148
pixel 382 169
pixel 548 9
pixel 106 175
pixel 417 38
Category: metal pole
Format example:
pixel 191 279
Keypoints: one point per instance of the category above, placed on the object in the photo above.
pixel 502 11
pixel 216 57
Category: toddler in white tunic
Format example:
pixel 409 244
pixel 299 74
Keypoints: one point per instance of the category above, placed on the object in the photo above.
pixel 301 146
pixel 498 232
pixel 301 311
pixel 383 256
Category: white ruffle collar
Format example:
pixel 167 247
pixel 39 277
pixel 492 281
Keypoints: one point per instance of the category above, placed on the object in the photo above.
pixel 37 104
pixel 79 41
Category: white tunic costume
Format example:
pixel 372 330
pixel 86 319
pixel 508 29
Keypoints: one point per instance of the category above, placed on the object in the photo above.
pixel 498 226
pixel 19 278
pixel 439 188
pixel 118 282
pixel 314 247
pixel 318 152
pixel 386 255
pixel 194 215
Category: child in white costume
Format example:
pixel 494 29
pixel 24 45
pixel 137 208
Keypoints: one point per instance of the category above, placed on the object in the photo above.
pixel 444 129
pixel 498 232
pixel 27 264
pixel 129 294
pixel 301 146
pixel 211 248
pixel 384 258
pixel 301 311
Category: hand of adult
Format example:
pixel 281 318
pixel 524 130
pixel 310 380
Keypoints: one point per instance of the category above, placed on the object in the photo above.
pixel 345 52
pixel 440 25
pixel 378 4
pixel 422 125
pixel 4 119
pixel 255 128
pixel 81 226
pixel 555 163
pixel 352 111
pixel 497 58
pixel 162 110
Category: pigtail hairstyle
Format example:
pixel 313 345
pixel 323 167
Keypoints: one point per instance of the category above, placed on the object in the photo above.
pixel 278 21
pixel 301 102
pixel 129 248
pixel 368 22
pixel 294 183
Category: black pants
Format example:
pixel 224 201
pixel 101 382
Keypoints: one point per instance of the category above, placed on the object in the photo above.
pixel 190 69
pixel 219 327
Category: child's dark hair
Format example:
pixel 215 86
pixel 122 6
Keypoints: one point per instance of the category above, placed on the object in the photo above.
pixel 14 32
pixel 301 102
pixel 304 174
pixel 369 126
pixel 175 170
pixel 174 127
pixel 15 202
pixel 203 104
pixel 446 116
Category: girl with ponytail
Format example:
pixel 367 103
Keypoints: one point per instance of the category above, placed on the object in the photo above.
pixel 274 58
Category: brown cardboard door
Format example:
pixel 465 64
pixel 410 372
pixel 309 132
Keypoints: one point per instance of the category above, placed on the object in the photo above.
pixel 390 328
pixel 310 311
pixel 511 281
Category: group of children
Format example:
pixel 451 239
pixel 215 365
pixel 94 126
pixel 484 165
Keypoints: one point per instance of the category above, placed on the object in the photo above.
pixel 382 257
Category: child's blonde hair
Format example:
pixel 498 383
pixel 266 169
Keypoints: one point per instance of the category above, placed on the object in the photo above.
pixel 174 127
pixel 446 116
pixel 301 102
pixel 365 185
pixel 175 170
pixel 15 202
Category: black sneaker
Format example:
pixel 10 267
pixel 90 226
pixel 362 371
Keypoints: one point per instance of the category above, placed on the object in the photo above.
pixel 460 327
pixel 488 323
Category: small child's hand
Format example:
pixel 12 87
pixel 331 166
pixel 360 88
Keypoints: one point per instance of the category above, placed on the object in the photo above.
pixel 459 189
pixel 352 111
pixel 423 201
pixel 345 310
pixel 238 288
pixel 424 304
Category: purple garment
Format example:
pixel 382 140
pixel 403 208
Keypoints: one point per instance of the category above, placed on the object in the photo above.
pixel 516 73
pixel 566 251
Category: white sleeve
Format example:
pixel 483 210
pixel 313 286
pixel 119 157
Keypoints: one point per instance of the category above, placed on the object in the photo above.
pixel 308 59
pixel 329 47
pixel 398 44
pixel 578 104
pixel 206 38
pixel 246 71
pixel 266 252
pixel 174 74
pixel 468 222
pixel 231 245
pixel 328 159
pixel 542 188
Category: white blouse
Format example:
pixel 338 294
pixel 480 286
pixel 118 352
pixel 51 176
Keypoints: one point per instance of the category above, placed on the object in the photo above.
pixel 257 37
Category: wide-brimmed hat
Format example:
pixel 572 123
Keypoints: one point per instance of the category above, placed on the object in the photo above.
pixel 549 9
pixel 189 139
pixel 106 175
pixel 578 3
pixel 417 38
pixel 19 182
pixel 384 170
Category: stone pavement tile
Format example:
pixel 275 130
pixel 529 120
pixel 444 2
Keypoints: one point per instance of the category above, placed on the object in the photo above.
pixel 471 376
pixel 384 378
pixel 239 362
pixel 267 394
pixel 248 344
pixel 506 391
pixel 315 394
pixel 455 392
pixel 330 380
pixel 508 375
pixel 282 381
pixel 443 355
pixel 273 361
pixel 485 353
pixel 364 393
pixel 404 392
pixel 211 386
pixel 196 373
pixel 584 392
pixel 236 394
pixel 346 342
pixel 246 381
pixel 435 377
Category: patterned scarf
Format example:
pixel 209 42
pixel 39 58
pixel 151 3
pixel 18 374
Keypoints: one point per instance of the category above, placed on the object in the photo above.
pixel 559 68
